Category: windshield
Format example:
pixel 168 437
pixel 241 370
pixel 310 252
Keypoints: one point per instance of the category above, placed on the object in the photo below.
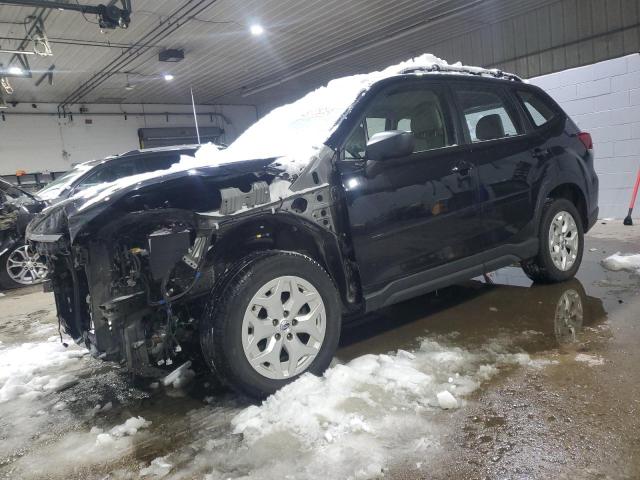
pixel 293 132
pixel 54 188
pixel 297 131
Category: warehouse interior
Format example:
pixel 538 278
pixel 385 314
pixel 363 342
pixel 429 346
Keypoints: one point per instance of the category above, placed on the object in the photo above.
pixel 540 378
pixel 100 86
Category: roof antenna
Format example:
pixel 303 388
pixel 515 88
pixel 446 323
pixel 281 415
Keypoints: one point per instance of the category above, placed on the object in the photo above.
pixel 195 116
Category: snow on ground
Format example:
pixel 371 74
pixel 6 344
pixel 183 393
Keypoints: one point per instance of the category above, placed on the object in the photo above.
pixel 29 370
pixel 360 418
pixel 617 262
pixel 591 360
pixel 352 421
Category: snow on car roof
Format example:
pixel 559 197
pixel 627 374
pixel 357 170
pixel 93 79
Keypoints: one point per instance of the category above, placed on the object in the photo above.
pixel 295 132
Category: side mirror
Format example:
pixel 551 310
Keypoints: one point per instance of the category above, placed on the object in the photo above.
pixel 391 144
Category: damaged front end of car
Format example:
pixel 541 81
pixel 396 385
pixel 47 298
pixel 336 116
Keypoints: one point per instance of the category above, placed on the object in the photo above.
pixel 133 273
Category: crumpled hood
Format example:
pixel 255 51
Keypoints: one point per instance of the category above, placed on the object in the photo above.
pixel 74 213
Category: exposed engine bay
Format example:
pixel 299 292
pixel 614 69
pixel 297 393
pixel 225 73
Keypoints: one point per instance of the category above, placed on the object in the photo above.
pixel 135 279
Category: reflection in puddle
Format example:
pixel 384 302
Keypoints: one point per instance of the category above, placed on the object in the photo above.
pixel 358 419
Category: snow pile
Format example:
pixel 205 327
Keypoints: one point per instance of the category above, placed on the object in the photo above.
pixel 293 133
pixel 127 429
pixel 349 422
pixel 158 468
pixel 180 377
pixel 591 360
pixel 446 400
pixel 617 262
pixel 23 367
pixel 297 131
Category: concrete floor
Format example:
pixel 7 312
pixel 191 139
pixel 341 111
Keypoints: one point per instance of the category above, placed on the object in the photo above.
pixel 570 411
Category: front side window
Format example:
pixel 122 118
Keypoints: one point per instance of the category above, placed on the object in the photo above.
pixel 110 172
pixel 487 115
pixel 419 110
pixel 539 109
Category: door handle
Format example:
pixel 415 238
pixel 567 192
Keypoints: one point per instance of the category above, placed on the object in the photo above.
pixel 462 169
pixel 540 152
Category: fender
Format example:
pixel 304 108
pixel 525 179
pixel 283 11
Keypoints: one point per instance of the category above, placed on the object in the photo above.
pixel 8 241
pixel 285 230
pixel 558 176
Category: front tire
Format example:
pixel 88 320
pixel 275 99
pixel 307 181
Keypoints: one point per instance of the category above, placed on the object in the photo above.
pixel 277 317
pixel 21 266
pixel 561 238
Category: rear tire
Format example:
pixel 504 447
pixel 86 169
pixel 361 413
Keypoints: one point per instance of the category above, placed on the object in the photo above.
pixel 561 238
pixel 250 338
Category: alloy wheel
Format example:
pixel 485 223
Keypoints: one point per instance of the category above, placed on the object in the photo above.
pixel 25 266
pixel 563 241
pixel 283 327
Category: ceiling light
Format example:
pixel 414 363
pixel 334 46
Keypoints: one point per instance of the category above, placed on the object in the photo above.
pixel 168 77
pixel 15 71
pixel 256 29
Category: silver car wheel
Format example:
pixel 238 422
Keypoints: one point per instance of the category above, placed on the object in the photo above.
pixel 283 328
pixel 25 266
pixel 569 317
pixel 563 241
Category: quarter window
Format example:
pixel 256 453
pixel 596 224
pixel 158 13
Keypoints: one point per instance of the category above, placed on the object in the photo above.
pixel 415 109
pixel 487 115
pixel 541 112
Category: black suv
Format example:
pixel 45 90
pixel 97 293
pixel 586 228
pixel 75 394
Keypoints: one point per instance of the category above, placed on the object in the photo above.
pixel 369 191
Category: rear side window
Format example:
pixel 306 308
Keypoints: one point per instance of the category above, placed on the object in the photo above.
pixel 539 108
pixel 159 162
pixel 487 115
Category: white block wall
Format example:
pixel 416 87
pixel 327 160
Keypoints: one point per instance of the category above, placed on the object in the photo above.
pixel 37 143
pixel 604 100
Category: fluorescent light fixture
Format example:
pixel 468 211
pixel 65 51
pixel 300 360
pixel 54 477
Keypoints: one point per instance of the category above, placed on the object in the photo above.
pixel 15 70
pixel 168 77
pixel 256 29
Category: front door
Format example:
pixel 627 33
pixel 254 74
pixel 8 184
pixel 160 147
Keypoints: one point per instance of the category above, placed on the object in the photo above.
pixel 413 213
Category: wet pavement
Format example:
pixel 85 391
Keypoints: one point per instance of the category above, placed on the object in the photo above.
pixel 546 379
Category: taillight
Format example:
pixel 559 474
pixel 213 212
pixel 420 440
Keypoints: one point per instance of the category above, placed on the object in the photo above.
pixel 586 140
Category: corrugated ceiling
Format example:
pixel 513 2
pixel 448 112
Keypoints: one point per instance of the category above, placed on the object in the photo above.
pixel 305 44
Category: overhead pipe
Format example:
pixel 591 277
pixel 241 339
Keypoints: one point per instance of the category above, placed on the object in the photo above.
pixel 126 114
pixel 389 38
pixel 160 32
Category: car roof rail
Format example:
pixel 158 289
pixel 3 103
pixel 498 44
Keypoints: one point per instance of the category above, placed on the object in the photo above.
pixel 477 71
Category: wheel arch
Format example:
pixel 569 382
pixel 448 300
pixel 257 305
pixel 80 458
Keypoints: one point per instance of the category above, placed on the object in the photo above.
pixel 288 232
pixel 566 188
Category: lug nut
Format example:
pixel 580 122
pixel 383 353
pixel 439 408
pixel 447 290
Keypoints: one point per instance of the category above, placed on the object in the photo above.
pixel 289 336
pixel 294 322
pixel 286 313
pixel 275 323
pixel 277 336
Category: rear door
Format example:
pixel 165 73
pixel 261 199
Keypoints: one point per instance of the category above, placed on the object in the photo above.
pixel 502 152
pixel 412 213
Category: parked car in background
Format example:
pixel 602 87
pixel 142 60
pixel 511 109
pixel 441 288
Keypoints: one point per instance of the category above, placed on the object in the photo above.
pixel 96 172
pixel 370 191
pixel 20 265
